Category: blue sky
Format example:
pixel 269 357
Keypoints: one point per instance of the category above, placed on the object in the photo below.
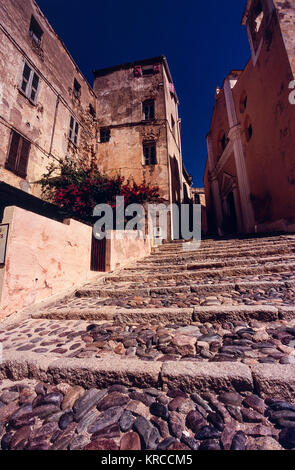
pixel 202 41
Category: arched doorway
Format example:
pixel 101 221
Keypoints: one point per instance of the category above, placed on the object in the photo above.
pixel 231 216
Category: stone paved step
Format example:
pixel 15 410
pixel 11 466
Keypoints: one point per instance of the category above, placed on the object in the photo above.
pixel 225 321
pixel 198 256
pixel 226 413
pixel 214 264
pixel 166 315
pixel 184 258
pixel 226 338
pixel 233 250
pixel 200 289
pixel 221 246
pixel 202 274
pixel 238 240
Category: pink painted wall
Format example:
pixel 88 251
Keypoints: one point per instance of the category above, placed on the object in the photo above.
pixel 44 257
pixel 123 251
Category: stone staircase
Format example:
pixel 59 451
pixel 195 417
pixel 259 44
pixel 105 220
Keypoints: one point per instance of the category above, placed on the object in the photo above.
pixel 237 276
pixel 194 346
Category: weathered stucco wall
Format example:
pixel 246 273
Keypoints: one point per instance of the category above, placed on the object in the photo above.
pixel 46 123
pixel 269 154
pixel 44 257
pixel 124 248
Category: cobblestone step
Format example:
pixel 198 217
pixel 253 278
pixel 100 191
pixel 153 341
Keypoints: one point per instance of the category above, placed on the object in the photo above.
pixel 231 251
pixel 165 315
pixel 203 274
pixel 214 264
pixel 180 338
pixel 235 254
pixel 200 289
pixel 264 242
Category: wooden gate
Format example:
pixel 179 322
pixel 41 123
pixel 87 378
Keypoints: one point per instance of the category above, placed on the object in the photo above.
pixel 98 255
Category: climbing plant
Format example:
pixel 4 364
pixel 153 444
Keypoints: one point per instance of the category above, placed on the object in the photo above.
pixel 76 188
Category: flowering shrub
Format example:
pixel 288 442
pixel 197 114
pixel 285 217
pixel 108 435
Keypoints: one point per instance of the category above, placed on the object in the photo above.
pixel 77 188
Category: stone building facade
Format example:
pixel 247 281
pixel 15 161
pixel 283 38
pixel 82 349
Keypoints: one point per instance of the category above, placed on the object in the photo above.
pixel 128 123
pixel 47 108
pixel 250 171
pixel 139 127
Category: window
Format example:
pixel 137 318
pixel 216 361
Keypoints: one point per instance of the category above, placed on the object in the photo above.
pixel 73 131
pixel 248 129
pixel 29 83
pixel 92 111
pixel 149 153
pixel 36 31
pixel 77 89
pixel 249 132
pixel 18 156
pixel 149 70
pixel 148 108
pixel 105 134
pixel 243 102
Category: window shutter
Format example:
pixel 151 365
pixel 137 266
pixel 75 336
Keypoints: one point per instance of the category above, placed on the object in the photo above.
pixel 13 152
pixel 35 84
pixel 24 158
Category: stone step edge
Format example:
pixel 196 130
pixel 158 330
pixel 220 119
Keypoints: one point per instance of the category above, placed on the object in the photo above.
pixel 193 288
pixel 214 264
pixel 222 250
pixel 179 249
pixel 267 239
pixel 219 314
pixel 205 273
pixel 211 257
pixel 268 380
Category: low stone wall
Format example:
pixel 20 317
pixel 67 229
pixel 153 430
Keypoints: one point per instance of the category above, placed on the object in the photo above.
pixel 124 247
pixel 44 257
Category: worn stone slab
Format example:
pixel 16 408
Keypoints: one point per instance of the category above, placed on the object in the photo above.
pixel 87 373
pixel 274 380
pixel 208 273
pixel 102 372
pixel 196 377
pixel 287 313
pixel 236 312
pixel 166 315
pixel 17 365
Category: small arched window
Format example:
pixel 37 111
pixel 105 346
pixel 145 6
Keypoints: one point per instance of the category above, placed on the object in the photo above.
pixel 248 129
pixel 243 102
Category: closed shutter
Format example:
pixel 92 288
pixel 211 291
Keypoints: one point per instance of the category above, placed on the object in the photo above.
pixel 11 161
pixel 17 160
pixel 23 158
